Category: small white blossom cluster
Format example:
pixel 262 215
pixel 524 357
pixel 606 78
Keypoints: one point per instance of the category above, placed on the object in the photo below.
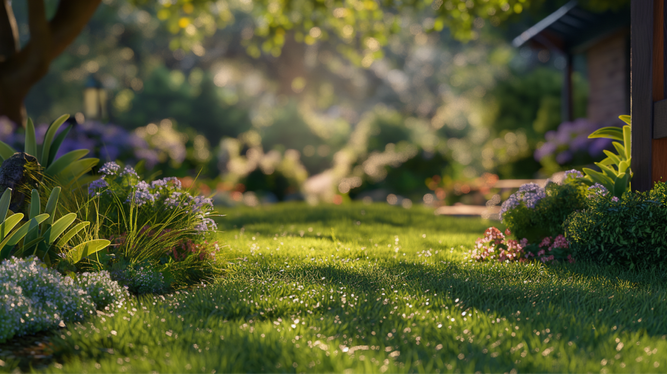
pixel 102 289
pixel 35 298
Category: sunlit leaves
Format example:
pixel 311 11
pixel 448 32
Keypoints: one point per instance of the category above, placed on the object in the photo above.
pixel 361 27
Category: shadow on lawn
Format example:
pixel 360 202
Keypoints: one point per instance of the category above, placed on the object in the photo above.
pixel 571 296
pixel 285 215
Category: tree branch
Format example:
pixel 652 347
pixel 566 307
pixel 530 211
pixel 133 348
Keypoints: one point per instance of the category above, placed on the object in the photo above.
pixel 71 17
pixel 9 32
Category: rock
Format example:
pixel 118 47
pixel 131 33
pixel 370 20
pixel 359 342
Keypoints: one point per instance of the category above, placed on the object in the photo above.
pixel 21 172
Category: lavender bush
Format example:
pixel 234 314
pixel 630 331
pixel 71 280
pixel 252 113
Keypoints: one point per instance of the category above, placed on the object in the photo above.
pixel 570 145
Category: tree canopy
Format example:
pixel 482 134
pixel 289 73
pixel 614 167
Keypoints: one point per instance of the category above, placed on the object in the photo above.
pixel 360 28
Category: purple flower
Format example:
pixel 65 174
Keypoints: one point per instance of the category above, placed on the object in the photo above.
pixel 615 199
pixel 128 170
pixel 574 174
pixel 110 168
pixel 173 200
pixel 96 185
pixel 206 225
pixel 164 182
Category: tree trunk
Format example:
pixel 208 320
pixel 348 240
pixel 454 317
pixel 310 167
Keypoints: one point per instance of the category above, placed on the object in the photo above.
pixel 20 68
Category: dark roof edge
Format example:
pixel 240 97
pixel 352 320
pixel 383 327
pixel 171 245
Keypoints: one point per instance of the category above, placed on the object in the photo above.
pixel 543 24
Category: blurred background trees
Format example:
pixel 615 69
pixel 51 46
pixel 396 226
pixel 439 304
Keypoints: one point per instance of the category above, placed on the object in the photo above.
pixel 301 99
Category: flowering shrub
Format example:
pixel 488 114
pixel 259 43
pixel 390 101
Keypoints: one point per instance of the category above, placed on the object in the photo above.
pixel 35 298
pixel 159 225
pixel 627 231
pixel 495 246
pixel 161 199
pixel 102 289
pixel 535 212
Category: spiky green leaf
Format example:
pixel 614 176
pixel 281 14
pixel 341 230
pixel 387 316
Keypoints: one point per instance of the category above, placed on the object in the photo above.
pixel 598 177
pixel 620 149
pixel 52 204
pixel 6 151
pixel 76 170
pixel 627 139
pixel 58 228
pixel 86 249
pixel 614 133
pixel 70 234
pixel 64 162
pixel 8 225
pixel 626 118
pixel 30 141
pixel 614 158
pixel 55 146
pixel 15 237
pixel 48 138
pixel 5 200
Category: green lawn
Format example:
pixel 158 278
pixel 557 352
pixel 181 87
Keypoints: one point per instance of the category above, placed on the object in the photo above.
pixel 378 289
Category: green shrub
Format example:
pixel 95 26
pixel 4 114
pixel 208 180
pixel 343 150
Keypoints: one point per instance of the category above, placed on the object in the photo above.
pixel 630 231
pixel 535 212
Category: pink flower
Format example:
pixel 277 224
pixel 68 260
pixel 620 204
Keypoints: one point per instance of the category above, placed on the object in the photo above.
pixel 508 232
pixel 546 242
pixel 561 242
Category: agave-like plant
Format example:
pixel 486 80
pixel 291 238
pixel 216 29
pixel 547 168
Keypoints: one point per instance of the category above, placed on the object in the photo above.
pixel 42 237
pixel 615 173
pixel 64 170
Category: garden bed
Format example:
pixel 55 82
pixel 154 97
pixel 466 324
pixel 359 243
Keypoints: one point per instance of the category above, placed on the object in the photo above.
pixel 376 288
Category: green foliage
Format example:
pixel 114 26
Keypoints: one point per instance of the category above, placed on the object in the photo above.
pixel 546 216
pixel 67 169
pixel 616 172
pixel 629 231
pixel 41 236
pixel 157 227
pixel 194 101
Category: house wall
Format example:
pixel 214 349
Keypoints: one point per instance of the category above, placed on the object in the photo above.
pixel 608 77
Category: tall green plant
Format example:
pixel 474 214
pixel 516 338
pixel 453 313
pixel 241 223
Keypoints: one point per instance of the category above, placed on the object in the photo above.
pixel 615 171
pixel 64 170
pixel 41 236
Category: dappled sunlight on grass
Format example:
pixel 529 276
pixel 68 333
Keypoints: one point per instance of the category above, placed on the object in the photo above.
pixel 381 296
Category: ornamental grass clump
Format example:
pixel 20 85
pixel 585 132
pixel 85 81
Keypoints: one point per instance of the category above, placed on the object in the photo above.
pixel 535 213
pixel 35 298
pixel 157 224
pixel 628 231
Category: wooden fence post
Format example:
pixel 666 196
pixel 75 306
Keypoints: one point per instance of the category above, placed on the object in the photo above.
pixel 659 143
pixel 641 109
